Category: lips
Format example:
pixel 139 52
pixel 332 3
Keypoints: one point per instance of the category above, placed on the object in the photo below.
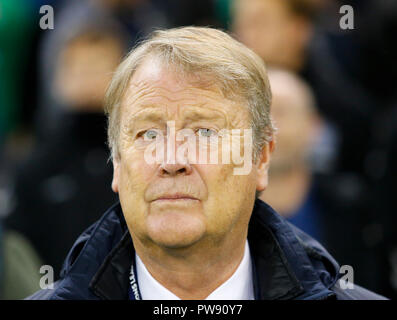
pixel 174 197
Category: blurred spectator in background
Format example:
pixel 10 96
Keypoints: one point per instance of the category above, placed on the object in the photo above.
pixel 291 189
pixel 65 182
pixel 288 34
pixel 278 31
pixel 134 18
pixel 353 75
pixel 317 203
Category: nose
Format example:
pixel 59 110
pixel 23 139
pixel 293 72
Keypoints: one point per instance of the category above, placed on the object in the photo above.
pixel 175 168
pixel 174 161
pixel 174 164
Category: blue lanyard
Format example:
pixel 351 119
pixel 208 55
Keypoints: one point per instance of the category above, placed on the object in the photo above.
pixel 133 289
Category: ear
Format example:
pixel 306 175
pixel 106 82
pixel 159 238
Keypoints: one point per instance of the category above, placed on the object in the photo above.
pixel 263 164
pixel 116 174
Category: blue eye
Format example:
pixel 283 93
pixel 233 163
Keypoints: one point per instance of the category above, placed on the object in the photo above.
pixel 205 132
pixel 150 134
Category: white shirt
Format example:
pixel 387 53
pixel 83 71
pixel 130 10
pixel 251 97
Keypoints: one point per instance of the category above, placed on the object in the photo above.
pixel 238 287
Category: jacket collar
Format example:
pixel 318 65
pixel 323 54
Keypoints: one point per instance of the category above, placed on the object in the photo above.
pixel 284 266
pixel 283 262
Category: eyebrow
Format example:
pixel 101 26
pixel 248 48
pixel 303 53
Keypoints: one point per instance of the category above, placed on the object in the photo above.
pixel 153 114
pixel 208 114
pixel 148 114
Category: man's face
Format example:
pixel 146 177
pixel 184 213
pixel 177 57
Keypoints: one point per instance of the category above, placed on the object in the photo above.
pixel 175 205
pixel 84 71
pixel 271 30
pixel 296 122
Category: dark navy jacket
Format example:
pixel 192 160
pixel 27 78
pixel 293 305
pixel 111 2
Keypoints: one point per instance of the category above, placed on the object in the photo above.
pixel 287 263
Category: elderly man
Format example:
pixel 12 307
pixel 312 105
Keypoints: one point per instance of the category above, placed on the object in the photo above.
pixel 188 225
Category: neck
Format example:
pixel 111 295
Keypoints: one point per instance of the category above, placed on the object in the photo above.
pixel 194 272
pixel 288 190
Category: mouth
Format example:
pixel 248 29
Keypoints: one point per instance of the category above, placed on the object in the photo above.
pixel 175 197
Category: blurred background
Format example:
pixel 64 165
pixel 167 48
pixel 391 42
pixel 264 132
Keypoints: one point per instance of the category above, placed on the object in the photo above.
pixel 334 170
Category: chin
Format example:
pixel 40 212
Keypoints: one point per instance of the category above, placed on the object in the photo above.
pixel 175 230
pixel 175 243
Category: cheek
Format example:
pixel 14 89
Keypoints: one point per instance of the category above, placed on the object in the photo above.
pixel 134 177
pixel 228 195
pixel 133 160
pixel 216 177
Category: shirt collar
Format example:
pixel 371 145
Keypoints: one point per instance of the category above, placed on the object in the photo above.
pixel 238 287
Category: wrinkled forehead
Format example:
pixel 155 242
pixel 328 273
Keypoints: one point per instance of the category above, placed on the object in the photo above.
pixel 156 75
pixel 154 84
